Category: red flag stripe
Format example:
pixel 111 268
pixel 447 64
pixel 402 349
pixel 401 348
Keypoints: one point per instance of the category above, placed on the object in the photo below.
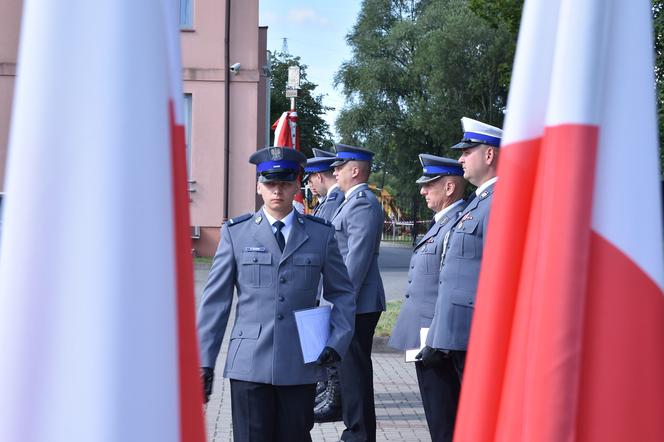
pixel 190 389
pixel 621 396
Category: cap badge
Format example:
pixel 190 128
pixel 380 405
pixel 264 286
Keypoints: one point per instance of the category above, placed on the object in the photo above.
pixel 276 154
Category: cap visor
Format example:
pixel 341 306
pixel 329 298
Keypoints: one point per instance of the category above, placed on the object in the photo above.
pixel 339 162
pixel 465 145
pixel 427 179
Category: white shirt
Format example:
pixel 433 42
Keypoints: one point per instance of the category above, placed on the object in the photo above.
pixel 287 220
pixel 353 188
pixel 447 209
pixel 332 187
pixel 486 184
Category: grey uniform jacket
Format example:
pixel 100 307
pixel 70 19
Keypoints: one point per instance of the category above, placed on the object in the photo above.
pixel 264 345
pixel 417 311
pixel 358 225
pixel 459 275
pixel 330 204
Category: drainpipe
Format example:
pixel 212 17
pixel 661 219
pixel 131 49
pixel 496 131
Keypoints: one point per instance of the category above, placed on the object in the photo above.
pixel 227 111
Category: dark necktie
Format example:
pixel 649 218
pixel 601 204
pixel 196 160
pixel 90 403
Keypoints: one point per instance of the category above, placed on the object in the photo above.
pixel 278 235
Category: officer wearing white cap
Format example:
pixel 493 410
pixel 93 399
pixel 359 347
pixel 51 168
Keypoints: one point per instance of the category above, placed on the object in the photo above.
pixel 273 259
pixel 443 188
pixel 463 249
pixel 358 225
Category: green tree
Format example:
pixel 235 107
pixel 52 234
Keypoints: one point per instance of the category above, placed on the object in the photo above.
pixel 658 21
pixel 417 68
pixel 314 130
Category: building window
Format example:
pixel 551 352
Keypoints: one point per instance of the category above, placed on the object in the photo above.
pixel 186 14
pixel 187 131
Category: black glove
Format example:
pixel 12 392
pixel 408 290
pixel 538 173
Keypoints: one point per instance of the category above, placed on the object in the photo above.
pixel 432 357
pixel 207 376
pixel 327 357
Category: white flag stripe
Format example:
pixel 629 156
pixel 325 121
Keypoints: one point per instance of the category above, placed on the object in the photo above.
pixel 529 88
pixel 171 18
pixel 578 70
pixel 87 311
pixel 627 201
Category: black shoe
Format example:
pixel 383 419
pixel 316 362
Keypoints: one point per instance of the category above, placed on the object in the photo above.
pixel 321 386
pixel 330 409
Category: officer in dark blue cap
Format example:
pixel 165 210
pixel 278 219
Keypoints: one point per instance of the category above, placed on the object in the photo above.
pixel 273 259
pixel 319 173
pixel 321 181
pixel 358 225
pixel 442 186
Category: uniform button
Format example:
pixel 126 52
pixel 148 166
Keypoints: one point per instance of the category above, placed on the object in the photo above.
pixel 281 298
pixel 255 260
pixel 470 302
pixel 239 334
pixel 412 267
pixel 282 280
pixel 409 281
pixel 308 261
pixel 280 316
pixel 407 295
pixel 440 282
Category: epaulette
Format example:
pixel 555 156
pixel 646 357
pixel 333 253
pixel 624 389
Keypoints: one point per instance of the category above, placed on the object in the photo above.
pixel 332 197
pixel 239 219
pixel 319 220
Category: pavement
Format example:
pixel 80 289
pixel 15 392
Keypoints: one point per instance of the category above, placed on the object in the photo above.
pixel 399 413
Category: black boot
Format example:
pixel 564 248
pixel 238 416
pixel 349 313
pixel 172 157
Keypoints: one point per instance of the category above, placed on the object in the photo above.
pixel 329 410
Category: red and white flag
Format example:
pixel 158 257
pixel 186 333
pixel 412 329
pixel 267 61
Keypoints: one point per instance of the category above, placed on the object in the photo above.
pixel 568 334
pixel 96 296
pixel 287 135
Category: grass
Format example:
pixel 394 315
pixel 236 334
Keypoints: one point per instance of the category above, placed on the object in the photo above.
pixel 388 318
pixel 202 260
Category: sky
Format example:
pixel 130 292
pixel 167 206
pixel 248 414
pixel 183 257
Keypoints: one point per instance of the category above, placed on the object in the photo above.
pixel 316 32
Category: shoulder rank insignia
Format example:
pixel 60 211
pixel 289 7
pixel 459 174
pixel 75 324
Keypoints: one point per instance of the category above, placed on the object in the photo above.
pixel 331 197
pixel 300 220
pixel 318 220
pixel 239 219
pixel 484 194
pixel 258 219
pixel 361 194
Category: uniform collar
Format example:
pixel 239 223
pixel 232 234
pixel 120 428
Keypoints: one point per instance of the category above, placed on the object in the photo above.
pixel 485 185
pixel 447 209
pixel 287 220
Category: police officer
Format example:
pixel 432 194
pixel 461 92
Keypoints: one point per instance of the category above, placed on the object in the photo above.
pixel 274 259
pixel 358 225
pixel 443 188
pixel 320 178
pixel 462 253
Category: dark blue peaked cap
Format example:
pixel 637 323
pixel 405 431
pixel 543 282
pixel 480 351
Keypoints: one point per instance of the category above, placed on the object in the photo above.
pixel 351 153
pixel 277 164
pixel 320 153
pixel 434 167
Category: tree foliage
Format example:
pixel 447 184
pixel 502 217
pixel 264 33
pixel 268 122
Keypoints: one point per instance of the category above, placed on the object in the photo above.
pixel 314 130
pixel 417 68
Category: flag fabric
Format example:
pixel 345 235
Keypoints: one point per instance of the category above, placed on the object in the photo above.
pixel 568 333
pixel 287 135
pixel 96 302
